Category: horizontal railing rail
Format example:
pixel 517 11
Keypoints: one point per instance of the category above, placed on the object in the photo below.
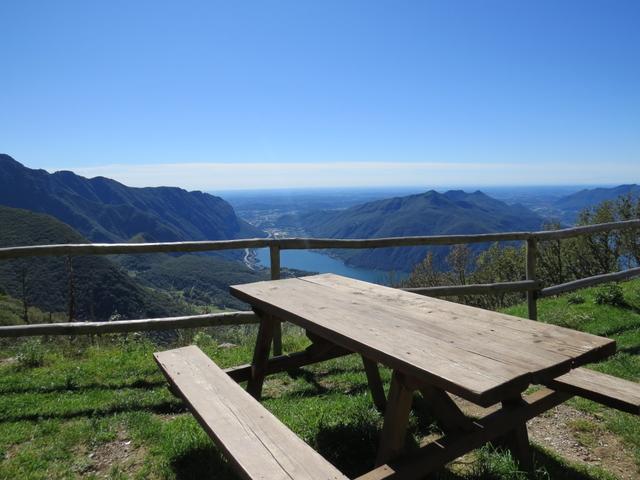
pixel 531 285
pixel 305 243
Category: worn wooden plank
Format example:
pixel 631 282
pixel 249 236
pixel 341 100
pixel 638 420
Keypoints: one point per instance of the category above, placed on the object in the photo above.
pixel 532 254
pixel 259 364
pixel 602 388
pixel 396 419
pixel 255 442
pixel 445 410
pixel 435 455
pixel 375 383
pixel 590 281
pixel 523 333
pixel 283 363
pixel 274 256
pixel 122 326
pixel 385 338
pixel 517 439
pixel 476 288
pixel 461 349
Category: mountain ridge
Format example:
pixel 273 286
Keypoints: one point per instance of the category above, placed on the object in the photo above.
pixel 104 210
pixel 428 213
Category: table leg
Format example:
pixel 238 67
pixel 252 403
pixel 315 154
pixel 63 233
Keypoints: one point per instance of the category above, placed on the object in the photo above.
pixel 445 410
pixel 375 383
pixel 517 439
pixel 261 355
pixel 396 419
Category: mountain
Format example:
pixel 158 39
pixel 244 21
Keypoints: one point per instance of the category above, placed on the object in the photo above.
pixel 430 213
pixel 104 210
pixel 100 287
pixel 571 205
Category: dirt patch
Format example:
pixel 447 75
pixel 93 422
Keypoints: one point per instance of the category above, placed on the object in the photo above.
pixel 577 436
pixel 582 438
pixel 8 361
pixel 119 455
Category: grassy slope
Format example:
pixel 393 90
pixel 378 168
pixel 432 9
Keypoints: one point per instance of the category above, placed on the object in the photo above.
pixel 619 323
pixel 59 419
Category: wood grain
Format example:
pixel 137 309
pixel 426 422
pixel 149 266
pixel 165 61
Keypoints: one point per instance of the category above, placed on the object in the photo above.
pixel 602 388
pixel 481 356
pixel 255 442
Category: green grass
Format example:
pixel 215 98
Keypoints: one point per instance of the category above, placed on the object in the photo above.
pixel 619 322
pixel 75 410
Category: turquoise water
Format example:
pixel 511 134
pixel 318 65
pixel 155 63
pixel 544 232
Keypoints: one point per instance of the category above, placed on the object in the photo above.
pixel 320 263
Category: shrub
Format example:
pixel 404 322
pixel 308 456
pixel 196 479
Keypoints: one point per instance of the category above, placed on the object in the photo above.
pixel 575 299
pixel 31 354
pixel 610 294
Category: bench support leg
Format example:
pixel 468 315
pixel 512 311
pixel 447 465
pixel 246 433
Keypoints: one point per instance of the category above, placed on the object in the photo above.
pixel 396 419
pixel 261 355
pixel 517 440
pixel 445 410
pixel 375 383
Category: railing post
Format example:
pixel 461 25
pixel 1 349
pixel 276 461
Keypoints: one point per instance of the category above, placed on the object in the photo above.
pixel 274 254
pixel 532 295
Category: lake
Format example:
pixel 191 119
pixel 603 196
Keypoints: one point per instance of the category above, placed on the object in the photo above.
pixel 320 263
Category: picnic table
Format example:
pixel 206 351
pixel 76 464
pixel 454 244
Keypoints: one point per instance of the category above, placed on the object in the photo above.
pixel 438 348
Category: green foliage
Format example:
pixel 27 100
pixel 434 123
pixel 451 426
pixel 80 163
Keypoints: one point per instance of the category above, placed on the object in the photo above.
pixel 575 299
pixel 96 287
pixel 610 294
pixel 30 353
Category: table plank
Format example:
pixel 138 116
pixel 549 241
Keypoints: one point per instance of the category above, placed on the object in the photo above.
pixel 465 351
pixel 581 347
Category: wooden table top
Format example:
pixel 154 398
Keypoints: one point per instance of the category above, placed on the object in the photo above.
pixel 480 355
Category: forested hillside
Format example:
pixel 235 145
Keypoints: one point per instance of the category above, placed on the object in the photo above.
pixel 93 287
pixel 103 210
pixel 571 205
pixel 430 213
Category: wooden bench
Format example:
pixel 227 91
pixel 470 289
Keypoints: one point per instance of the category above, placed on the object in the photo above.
pixel 602 388
pixel 255 442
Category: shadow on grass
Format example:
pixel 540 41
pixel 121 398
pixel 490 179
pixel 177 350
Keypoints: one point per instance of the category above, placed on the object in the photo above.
pixel 202 463
pixel 352 449
pixel 162 408
pixel 72 387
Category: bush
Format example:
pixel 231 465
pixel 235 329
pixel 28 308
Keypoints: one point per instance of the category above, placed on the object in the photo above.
pixel 575 299
pixel 610 294
pixel 31 354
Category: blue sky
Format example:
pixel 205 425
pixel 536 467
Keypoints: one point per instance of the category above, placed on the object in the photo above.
pixel 214 95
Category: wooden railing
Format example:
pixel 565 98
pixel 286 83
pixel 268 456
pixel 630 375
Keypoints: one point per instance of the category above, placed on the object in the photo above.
pixel 531 285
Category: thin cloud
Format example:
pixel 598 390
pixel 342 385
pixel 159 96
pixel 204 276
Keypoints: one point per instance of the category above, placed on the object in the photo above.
pixel 218 176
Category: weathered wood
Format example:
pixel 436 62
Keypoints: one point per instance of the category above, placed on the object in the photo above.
pixel 375 383
pixel 130 248
pixel 313 354
pixel 435 455
pixel 479 355
pixel 396 419
pixel 274 255
pixel 476 289
pixel 532 253
pixel 585 230
pixel 519 332
pixel 122 326
pixel 305 243
pixel 445 410
pixel 257 444
pixel 590 282
pixel 602 388
pixel 517 439
pixel 260 360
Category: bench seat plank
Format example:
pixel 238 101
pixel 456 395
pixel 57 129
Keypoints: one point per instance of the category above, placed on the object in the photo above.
pixel 602 388
pixel 256 443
